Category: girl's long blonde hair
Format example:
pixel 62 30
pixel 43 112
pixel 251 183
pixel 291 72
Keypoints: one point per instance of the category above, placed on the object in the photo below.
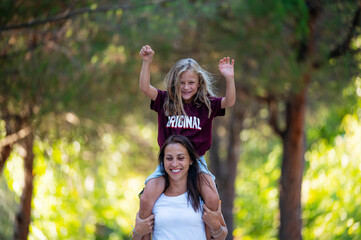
pixel 173 105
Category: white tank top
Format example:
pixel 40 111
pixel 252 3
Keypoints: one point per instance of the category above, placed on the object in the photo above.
pixel 175 219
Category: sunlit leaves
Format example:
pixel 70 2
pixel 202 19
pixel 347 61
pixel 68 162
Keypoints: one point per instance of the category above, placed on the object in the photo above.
pixel 256 204
pixel 84 191
pixel 15 174
pixel 331 190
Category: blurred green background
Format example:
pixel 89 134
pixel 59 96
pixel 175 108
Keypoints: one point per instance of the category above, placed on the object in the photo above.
pixel 71 73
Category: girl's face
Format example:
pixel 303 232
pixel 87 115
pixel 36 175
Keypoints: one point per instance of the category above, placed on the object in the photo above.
pixel 189 84
pixel 176 161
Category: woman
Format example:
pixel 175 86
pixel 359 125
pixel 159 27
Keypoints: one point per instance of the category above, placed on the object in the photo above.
pixel 179 212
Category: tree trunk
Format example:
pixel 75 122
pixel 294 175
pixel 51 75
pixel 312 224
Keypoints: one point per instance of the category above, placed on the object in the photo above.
pixel 4 155
pixel 292 169
pixel 293 140
pixel 226 169
pixel 22 220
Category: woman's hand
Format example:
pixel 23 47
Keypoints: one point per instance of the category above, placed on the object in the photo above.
pixel 143 226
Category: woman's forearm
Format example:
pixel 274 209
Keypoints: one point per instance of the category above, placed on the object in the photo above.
pixel 136 236
pixel 220 234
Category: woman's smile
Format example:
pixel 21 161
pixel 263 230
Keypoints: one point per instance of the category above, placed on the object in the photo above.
pixel 176 161
pixel 175 170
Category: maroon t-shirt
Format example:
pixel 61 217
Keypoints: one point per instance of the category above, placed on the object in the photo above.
pixel 196 125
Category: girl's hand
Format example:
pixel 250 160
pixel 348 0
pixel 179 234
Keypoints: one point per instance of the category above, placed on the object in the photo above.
pixel 226 67
pixel 146 52
pixel 212 218
pixel 144 226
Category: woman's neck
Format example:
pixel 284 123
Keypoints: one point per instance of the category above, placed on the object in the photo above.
pixel 176 188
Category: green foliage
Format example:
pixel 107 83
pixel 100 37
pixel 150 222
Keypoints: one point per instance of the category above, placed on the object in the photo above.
pixel 84 193
pixel 325 124
pixel 330 192
pixel 330 189
pixel 96 137
pixel 256 203
pixel 8 209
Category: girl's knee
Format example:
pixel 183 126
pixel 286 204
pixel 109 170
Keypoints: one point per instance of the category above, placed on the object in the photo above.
pixel 155 183
pixel 153 189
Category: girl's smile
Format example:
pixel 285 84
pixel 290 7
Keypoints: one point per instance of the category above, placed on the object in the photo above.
pixel 189 84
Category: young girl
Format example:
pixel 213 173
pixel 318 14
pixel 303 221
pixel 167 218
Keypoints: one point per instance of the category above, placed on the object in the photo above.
pixel 187 108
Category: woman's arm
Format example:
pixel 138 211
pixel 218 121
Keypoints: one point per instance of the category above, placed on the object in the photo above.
pixel 215 222
pixel 142 227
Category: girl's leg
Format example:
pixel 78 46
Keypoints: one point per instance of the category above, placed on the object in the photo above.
pixel 153 189
pixel 209 191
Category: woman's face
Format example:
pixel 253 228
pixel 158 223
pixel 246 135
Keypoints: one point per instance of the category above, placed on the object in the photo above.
pixel 176 161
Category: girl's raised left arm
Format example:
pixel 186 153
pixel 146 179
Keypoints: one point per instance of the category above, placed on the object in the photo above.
pixel 226 67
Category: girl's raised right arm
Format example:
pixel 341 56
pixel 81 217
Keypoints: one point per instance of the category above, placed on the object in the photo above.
pixel 144 80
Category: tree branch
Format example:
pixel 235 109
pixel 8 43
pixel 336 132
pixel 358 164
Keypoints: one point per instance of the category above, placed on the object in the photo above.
pixel 307 46
pixel 70 14
pixel 272 107
pixel 12 123
pixel 13 138
pixel 342 48
pixel 273 117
